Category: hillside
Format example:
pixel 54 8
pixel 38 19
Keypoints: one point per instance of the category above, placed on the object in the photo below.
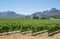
pixel 10 14
pixel 52 13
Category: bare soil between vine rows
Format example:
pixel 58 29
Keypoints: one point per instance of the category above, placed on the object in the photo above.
pixel 29 36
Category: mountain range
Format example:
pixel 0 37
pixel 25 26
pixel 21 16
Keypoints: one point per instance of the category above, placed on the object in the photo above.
pixel 52 13
pixel 10 14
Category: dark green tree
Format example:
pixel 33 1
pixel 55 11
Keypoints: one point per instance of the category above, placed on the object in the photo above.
pixel 35 17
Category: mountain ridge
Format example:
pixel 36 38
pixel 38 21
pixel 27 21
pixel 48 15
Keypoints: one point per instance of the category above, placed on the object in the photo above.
pixel 10 14
pixel 52 13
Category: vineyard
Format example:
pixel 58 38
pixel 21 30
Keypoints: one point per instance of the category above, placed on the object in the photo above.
pixel 27 24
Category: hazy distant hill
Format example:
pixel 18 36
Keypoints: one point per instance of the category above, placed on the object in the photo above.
pixel 10 14
pixel 53 13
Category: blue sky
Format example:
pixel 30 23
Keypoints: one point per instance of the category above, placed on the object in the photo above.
pixel 28 6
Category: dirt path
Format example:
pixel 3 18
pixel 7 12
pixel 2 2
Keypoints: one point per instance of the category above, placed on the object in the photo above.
pixel 28 36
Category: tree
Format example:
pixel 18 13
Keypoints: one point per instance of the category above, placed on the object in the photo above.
pixel 44 18
pixel 35 17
